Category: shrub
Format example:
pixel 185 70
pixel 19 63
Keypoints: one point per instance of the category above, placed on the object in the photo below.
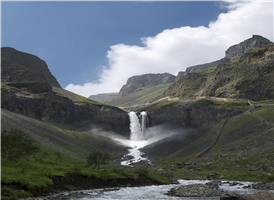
pixel 16 145
pixel 9 194
pixel 97 158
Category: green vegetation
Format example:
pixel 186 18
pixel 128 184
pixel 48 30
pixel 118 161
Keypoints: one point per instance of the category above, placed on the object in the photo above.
pixel 98 158
pixel 203 102
pixel 16 145
pixel 233 61
pixel 142 95
pixel 9 194
pixel 266 112
pixel 2 89
pixel 73 137
pixel 160 105
pixel 252 49
pixel 36 170
pixel 148 96
pixel 205 71
pixel 236 104
pixel 239 168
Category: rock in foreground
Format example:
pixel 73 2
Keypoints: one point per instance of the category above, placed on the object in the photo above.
pixel 196 190
pixel 264 195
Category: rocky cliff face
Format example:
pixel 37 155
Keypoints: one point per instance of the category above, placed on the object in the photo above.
pixel 238 50
pixel 250 77
pixel 188 114
pixel 142 89
pixel 18 66
pixel 52 107
pixel 203 66
pixel 136 82
pixel 232 53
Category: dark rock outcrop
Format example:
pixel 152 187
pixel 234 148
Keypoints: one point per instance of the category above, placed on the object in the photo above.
pixel 238 50
pixel 50 106
pixel 231 196
pixel 27 89
pixel 264 195
pixel 182 115
pixel 33 87
pixel 203 66
pixel 18 66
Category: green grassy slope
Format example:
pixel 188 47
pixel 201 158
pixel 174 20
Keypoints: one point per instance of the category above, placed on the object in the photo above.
pixel 142 95
pixel 243 151
pixel 104 97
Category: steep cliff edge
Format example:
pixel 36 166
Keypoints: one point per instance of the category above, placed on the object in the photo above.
pixel 238 50
pixel 18 66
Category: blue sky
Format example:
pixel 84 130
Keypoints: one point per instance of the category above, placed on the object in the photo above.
pixel 93 47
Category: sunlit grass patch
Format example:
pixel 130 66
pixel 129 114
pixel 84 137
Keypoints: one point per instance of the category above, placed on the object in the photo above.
pixel 267 113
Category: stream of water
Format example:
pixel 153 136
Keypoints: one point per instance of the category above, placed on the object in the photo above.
pixel 157 192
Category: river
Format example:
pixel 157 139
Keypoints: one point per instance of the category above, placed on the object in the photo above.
pixel 140 137
pixel 153 192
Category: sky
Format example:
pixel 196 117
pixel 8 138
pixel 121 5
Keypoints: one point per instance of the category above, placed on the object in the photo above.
pixel 93 47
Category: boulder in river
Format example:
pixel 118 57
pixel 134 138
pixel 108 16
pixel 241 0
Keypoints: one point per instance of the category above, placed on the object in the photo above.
pixel 195 190
pixel 263 195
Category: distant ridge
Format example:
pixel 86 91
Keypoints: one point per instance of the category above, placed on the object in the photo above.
pixel 142 89
pixel 231 53
pixel 104 97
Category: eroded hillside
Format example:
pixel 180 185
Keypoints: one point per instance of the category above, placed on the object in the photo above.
pixel 250 76
pixel 142 89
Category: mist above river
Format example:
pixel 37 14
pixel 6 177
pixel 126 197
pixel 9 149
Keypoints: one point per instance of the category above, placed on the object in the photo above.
pixel 141 135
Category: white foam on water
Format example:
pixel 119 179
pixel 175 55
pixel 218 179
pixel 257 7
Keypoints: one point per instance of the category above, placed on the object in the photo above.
pixel 137 140
pixel 137 157
pixel 158 192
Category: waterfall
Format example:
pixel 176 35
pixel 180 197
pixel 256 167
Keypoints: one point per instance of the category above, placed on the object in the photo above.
pixel 144 121
pixel 138 129
pixel 137 138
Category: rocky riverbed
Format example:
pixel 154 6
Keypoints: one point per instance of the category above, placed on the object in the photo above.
pixel 213 188
pixel 217 190
pixel 196 190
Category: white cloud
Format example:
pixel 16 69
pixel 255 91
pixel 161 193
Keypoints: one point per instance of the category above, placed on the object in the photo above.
pixel 174 50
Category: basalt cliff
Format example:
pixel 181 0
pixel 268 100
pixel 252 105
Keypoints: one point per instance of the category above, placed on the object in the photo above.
pixel 245 79
pixel 28 88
